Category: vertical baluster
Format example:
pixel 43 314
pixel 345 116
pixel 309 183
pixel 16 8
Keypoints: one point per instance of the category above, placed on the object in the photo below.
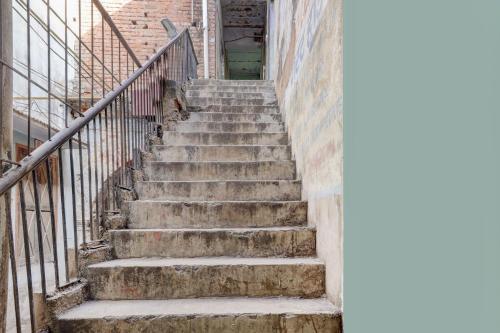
pixel 38 216
pixel 112 116
pixel 27 253
pixel 53 230
pixel 63 213
pixel 127 121
pixel 135 122
pixel 13 265
pixel 73 201
pixel 101 155
pixel 108 179
pixel 123 149
pixel 137 101
pixel 82 192
pixel 89 175
pixel 151 112
pixel 92 223
pixel 127 101
pixel 96 178
pixel 112 138
pixel 82 188
pixel 141 111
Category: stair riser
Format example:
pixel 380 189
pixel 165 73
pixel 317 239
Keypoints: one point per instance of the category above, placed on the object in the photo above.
pixel 187 171
pixel 222 153
pixel 197 243
pixel 193 127
pixel 266 109
pixel 214 191
pixel 234 117
pixel 158 215
pixel 181 139
pixel 221 94
pixel 205 101
pixel 242 323
pixel 186 281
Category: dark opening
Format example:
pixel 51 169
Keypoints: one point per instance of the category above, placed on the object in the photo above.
pixel 244 38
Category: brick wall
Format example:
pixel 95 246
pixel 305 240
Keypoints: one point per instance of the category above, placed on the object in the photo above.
pixel 139 22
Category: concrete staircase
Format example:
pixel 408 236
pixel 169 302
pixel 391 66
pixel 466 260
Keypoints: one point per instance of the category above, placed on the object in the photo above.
pixel 218 240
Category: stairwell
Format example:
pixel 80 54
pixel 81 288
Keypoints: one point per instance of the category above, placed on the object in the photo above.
pixel 218 240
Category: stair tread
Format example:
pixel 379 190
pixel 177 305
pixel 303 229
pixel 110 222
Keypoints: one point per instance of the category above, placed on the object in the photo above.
pixel 231 122
pixel 230 133
pixel 218 145
pixel 205 261
pixel 208 202
pixel 286 181
pixel 199 306
pixel 215 230
pixel 221 162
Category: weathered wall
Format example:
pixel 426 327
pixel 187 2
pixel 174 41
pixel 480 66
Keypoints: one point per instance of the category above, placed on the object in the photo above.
pixel 307 69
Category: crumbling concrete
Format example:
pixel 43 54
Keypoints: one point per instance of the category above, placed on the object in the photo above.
pixel 219 216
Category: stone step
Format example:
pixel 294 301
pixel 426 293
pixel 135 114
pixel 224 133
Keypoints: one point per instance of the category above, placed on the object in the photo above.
pixel 149 214
pixel 239 242
pixel 236 190
pixel 173 138
pixel 230 101
pixel 267 109
pixel 239 127
pixel 207 315
pixel 231 89
pixel 212 82
pixel 226 94
pixel 206 153
pixel 261 170
pixel 172 278
pixel 236 117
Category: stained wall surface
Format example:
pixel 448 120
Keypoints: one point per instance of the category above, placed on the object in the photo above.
pixel 305 60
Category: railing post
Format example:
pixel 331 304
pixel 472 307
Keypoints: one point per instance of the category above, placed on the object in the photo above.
pixel 6 135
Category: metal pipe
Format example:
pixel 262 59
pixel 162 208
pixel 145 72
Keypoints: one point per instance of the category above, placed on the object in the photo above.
pixel 6 144
pixel 205 39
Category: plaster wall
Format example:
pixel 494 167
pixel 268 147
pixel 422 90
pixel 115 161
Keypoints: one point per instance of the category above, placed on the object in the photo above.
pixel 306 63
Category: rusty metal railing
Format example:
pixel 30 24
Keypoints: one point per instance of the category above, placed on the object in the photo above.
pixel 58 196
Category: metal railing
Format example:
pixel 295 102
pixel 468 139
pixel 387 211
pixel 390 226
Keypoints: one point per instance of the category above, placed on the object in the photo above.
pixel 58 196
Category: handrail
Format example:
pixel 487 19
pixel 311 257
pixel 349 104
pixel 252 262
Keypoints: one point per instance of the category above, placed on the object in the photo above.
pixel 111 136
pixel 12 176
pixel 112 25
